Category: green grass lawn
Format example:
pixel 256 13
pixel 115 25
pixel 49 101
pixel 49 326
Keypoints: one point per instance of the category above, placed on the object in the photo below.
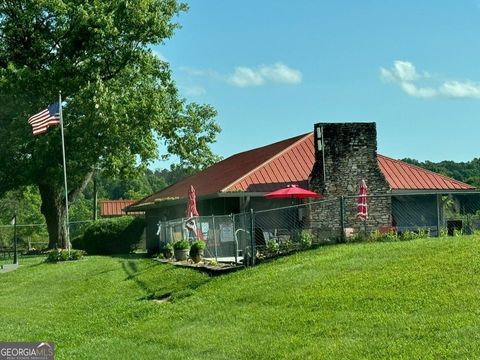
pixel 409 300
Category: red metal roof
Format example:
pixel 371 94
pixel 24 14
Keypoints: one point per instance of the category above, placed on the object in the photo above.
pixel 238 173
pixel 293 164
pixel 290 161
pixel 115 207
pixel 403 176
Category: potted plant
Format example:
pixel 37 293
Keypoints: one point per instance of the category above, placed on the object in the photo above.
pixel 167 251
pixel 181 249
pixel 196 250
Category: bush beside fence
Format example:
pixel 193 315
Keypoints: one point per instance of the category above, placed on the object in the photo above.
pixel 112 236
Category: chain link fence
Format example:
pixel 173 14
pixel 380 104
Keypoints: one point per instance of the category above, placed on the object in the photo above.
pixel 246 238
pixel 31 237
pixel 428 214
pixel 225 235
pixel 249 237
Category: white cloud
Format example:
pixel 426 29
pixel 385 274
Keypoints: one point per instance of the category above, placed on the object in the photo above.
pixel 277 73
pixel 412 90
pixel 406 76
pixel 243 76
pixel 458 89
pixel 194 90
pixel 401 71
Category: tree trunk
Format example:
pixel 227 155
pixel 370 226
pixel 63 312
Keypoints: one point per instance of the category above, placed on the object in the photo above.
pixel 53 208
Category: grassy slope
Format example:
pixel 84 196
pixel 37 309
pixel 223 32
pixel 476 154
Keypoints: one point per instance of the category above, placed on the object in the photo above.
pixel 417 299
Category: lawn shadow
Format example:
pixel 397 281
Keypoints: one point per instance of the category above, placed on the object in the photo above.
pixel 131 256
pixel 154 291
pixel 130 267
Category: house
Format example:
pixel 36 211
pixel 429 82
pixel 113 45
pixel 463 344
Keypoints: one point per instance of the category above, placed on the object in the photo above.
pixel 331 160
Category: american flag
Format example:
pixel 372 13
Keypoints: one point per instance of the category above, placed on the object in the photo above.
pixel 41 121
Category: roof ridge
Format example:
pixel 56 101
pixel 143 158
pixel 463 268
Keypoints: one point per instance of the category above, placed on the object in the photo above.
pixel 427 171
pixel 302 138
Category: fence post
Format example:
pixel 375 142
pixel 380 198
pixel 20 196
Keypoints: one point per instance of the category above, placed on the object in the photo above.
pixel 252 237
pixel 214 238
pixel 162 234
pixel 439 225
pixel 15 259
pixel 235 243
pixel 342 217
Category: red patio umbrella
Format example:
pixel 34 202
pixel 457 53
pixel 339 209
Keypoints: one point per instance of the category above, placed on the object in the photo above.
pixel 362 207
pixel 192 203
pixel 192 212
pixel 292 191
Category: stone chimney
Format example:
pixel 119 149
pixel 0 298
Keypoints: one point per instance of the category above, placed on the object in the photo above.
pixel 346 153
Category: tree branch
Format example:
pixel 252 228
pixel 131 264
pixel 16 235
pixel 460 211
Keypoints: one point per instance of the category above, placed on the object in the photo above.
pixel 72 195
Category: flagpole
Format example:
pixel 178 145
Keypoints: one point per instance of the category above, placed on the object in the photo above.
pixel 15 258
pixel 64 172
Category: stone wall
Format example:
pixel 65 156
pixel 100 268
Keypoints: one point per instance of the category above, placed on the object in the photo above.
pixel 345 154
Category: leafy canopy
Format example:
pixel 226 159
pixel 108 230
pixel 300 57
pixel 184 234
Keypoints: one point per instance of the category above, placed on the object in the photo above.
pixel 120 100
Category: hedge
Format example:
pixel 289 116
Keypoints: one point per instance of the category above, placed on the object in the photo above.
pixel 111 236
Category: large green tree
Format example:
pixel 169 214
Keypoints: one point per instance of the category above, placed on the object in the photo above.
pixel 120 100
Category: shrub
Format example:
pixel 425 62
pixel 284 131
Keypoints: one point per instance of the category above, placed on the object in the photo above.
pixel 386 237
pixel 111 236
pixel 306 239
pixel 412 235
pixel 457 232
pixel 423 233
pixel 287 246
pixel 168 246
pixel 272 246
pixel 62 255
pixel 76 254
pixel 407 235
pixel 443 231
pixel 181 245
pixel 355 238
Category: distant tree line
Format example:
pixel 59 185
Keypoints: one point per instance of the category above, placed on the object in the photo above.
pixel 26 200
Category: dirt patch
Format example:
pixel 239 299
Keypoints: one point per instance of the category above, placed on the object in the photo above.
pixel 162 299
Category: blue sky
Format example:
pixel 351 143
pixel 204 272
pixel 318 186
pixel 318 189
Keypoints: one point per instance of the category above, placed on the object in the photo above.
pixel 274 68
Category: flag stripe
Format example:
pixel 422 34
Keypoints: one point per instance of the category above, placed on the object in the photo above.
pixel 45 118
pixel 39 115
pixel 45 121
pixel 40 120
